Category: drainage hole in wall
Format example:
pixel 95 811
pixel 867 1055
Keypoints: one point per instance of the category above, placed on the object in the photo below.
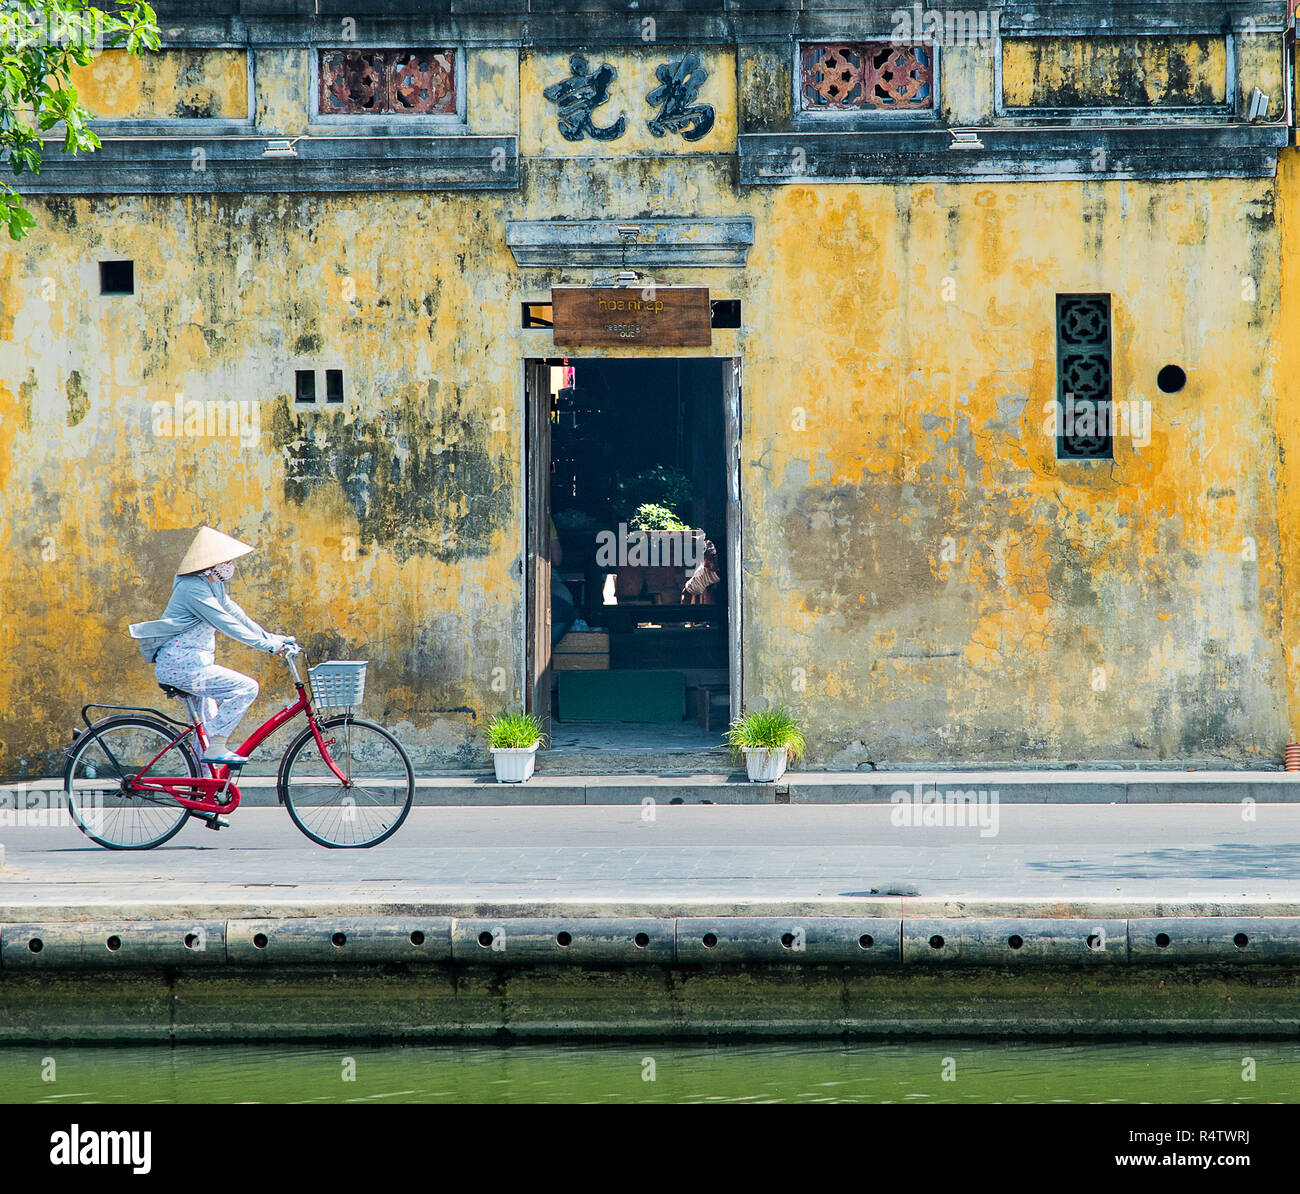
pixel 787 939
pixel 485 939
pixel 1162 940
pixel 339 939
pixel 259 941
pixel 710 940
pixel 1241 941
pixel 114 943
pixel 1171 379
pixel 641 940
pixel 1094 941
pixel 563 939
pixel 36 945
pixel 1015 941
pixel 191 940
pixel 866 941
pixel 936 942
pixel 417 938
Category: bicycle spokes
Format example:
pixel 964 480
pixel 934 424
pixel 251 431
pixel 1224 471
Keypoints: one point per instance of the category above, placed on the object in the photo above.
pixel 371 800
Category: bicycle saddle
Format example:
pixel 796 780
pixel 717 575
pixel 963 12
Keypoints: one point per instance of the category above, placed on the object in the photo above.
pixel 179 693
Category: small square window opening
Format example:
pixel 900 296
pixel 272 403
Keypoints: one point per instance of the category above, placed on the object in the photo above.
pixel 117 277
pixel 333 385
pixel 304 385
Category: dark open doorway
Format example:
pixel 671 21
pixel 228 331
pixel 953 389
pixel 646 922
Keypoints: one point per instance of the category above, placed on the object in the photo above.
pixel 637 574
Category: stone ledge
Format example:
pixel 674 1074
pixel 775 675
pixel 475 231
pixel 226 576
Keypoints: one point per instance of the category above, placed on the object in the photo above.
pixel 168 165
pixel 1012 154
pixel 555 244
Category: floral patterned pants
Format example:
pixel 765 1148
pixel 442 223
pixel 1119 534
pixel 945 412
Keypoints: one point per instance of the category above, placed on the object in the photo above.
pixel 188 662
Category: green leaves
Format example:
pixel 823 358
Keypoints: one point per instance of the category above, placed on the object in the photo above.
pixel 515 731
pixel 41 41
pixel 15 216
pixel 768 729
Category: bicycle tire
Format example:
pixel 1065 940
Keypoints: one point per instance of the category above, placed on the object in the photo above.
pixel 99 762
pixel 320 805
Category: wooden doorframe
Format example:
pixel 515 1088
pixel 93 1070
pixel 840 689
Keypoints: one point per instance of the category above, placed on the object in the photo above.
pixel 536 451
pixel 537 539
pixel 731 395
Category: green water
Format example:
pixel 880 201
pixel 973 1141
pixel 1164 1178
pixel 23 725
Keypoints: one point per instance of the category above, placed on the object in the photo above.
pixel 934 1072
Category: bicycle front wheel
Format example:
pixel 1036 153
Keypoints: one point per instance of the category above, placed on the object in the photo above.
pixel 370 807
pixel 102 801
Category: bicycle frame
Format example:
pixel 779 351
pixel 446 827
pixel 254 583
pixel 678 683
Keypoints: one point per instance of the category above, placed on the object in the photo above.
pixel 202 792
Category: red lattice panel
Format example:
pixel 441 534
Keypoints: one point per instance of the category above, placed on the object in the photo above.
pixel 387 82
pixel 843 76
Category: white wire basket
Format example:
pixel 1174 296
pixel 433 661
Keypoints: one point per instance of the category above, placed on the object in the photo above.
pixel 339 684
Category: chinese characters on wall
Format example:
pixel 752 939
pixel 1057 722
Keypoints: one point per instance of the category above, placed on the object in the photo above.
pixel 577 98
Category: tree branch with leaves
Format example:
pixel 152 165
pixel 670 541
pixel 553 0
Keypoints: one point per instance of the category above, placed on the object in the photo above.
pixel 41 42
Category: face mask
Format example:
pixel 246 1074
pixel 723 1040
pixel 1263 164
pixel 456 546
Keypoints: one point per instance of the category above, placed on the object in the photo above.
pixel 223 572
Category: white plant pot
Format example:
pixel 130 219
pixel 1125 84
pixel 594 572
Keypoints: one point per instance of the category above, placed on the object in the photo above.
pixel 764 764
pixel 514 764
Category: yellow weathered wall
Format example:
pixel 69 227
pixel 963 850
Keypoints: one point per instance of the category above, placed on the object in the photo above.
pixel 1113 71
pixel 898 348
pixel 925 422
pixel 167 85
pixel 1286 363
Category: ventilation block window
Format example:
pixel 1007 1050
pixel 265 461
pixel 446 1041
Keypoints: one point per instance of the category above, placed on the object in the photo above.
pixel 117 277
pixel 538 315
pixel 333 385
pixel 387 82
pixel 725 313
pixel 871 75
pixel 304 385
pixel 1083 377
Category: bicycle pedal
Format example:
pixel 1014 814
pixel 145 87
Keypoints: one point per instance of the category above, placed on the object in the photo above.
pixel 217 823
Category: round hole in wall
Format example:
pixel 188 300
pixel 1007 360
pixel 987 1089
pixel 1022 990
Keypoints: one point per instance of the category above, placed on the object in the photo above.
pixel 36 945
pixel 936 942
pixel 641 940
pixel 710 940
pixel 1015 941
pixel 1171 379
pixel 787 940
pixel 340 939
pixel 114 943
pixel 191 940
pixel 259 941
pixel 1094 941
pixel 417 938
pixel 563 939
pixel 1241 941
pixel 1162 940
pixel 485 939
pixel 866 941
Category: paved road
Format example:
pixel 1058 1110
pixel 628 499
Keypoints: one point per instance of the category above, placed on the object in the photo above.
pixel 613 859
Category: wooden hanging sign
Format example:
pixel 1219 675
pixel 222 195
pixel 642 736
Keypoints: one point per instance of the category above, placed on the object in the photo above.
pixel 615 316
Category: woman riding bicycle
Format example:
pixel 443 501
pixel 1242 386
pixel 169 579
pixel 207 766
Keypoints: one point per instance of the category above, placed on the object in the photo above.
pixel 182 643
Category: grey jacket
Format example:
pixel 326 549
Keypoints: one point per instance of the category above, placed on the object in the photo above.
pixel 196 599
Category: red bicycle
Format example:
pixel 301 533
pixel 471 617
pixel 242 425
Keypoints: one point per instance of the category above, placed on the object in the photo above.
pixel 132 780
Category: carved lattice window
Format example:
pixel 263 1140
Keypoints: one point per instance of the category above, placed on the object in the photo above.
pixel 1083 377
pixel 846 76
pixel 387 82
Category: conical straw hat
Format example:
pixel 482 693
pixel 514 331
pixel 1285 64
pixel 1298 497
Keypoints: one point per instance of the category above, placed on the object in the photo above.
pixel 209 549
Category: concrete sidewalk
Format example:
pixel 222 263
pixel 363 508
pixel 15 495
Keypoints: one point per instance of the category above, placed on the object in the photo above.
pixel 834 860
pixel 1025 786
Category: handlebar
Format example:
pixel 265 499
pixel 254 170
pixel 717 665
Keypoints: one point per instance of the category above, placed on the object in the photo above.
pixel 289 652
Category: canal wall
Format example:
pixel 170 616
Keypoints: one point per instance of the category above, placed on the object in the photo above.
pixel 448 977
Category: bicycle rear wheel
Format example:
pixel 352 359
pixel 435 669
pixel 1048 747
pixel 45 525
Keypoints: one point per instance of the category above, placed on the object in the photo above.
pixel 373 803
pixel 97 783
